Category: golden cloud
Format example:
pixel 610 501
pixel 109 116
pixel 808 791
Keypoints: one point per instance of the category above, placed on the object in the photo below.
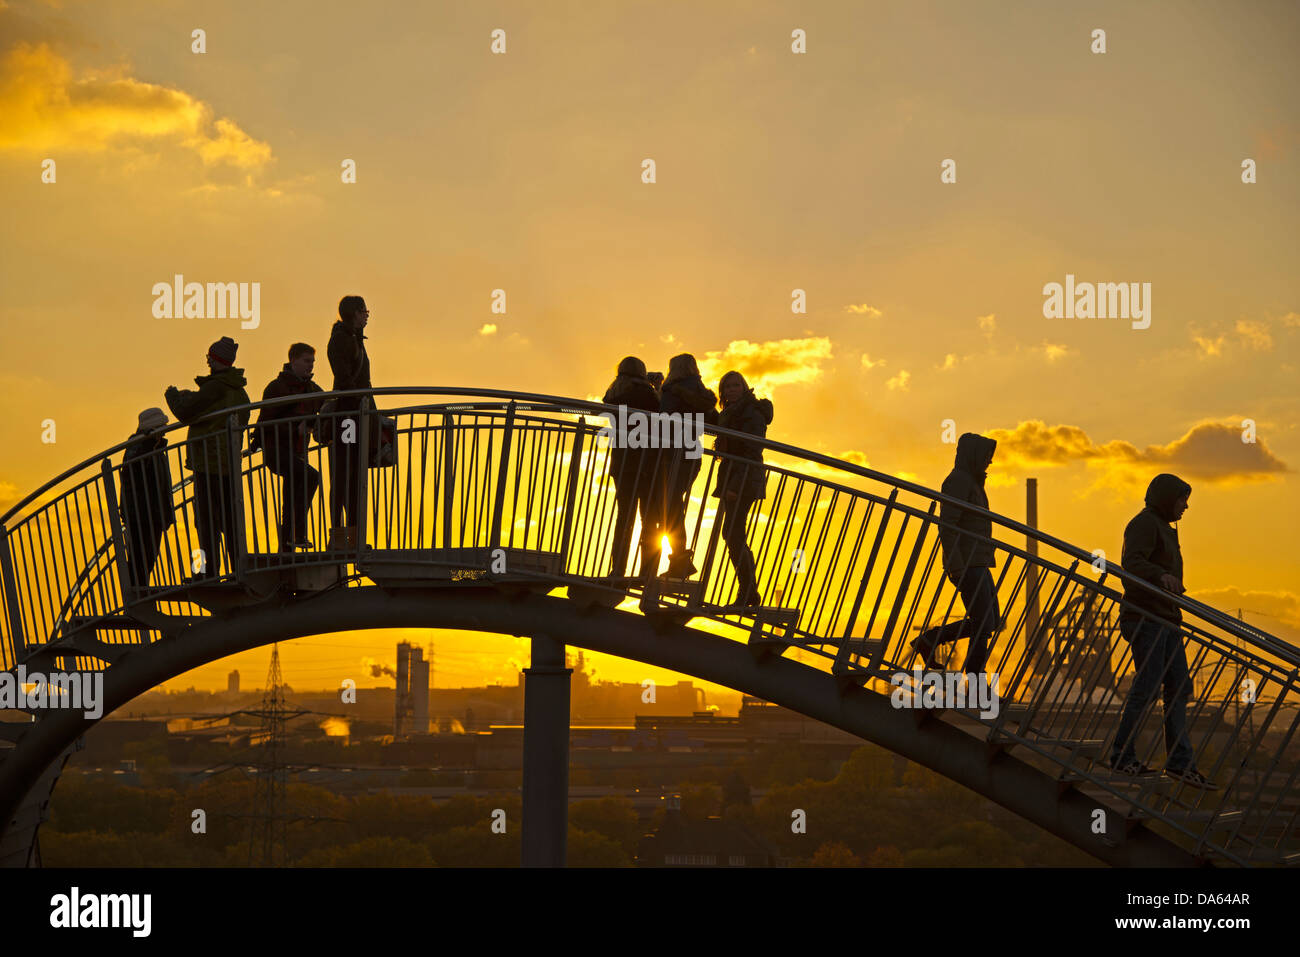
pixel 862 309
pixel 1277 612
pixel 1207 348
pixel 869 363
pixel 1213 451
pixel 47 109
pixel 1255 334
pixel 1054 351
pixel 768 365
pixel 899 382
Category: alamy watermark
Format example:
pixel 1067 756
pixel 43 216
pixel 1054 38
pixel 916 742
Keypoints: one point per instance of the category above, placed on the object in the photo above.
pixel 1103 300
pixel 945 689
pixel 179 299
pixel 635 429
pixel 76 691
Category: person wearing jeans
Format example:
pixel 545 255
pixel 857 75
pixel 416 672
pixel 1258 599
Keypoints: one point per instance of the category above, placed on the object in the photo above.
pixel 966 538
pixel 283 431
pixel 208 453
pixel 1160 665
pixel 979 596
pixel 742 478
pixel 1149 620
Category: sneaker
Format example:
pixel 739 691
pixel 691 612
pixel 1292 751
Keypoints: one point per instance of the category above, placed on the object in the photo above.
pixel 1193 777
pixel 1133 768
pixel 927 653
pixel 679 570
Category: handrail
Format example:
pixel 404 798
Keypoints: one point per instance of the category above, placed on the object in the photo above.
pixel 562 404
pixel 521 474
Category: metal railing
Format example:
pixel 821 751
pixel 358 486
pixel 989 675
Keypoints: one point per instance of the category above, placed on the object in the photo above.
pixel 503 486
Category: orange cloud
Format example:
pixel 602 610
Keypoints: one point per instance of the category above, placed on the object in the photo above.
pixel 1207 348
pixel 1255 334
pixel 869 363
pixel 768 365
pixel 899 383
pixel 47 109
pixel 1210 451
pixel 1263 609
pixel 863 309
pixel 1054 351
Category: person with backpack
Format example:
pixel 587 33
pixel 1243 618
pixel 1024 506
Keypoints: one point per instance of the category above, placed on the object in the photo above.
pixel 350 363
pixel 284 431
pixel 145 499
pixel 208 451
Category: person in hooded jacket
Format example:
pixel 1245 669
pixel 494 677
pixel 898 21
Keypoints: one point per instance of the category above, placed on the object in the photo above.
pixel 284 433
pixel 742 479
pixel 207 450
pixel 145 501
pixel 634 471
pixel 350 364
pixel 683 393
pixel 1149 621
pixel 965 538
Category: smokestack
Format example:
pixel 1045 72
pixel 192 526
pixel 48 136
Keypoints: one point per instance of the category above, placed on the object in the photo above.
pixel 419 692
pixel 402 696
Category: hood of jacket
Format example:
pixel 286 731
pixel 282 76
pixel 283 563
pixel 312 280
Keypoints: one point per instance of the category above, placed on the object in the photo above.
pixel 974 452
pixel 691 393
pixel 633 391
pixel 742 405
pixel 232 377
pixel 1163 492
pixel 291 380
pixel 340 328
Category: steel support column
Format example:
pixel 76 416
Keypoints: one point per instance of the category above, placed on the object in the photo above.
pixel 546 755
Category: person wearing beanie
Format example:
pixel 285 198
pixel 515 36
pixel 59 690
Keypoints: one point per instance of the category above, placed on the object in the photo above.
pixel 145 499
pixel 350 364
pixel 283 432
pixel 207 451
pixel 1149 621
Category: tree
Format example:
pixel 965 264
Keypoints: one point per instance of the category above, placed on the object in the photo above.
pixel 834 854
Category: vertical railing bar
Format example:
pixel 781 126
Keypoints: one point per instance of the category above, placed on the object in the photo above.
pixel 845 650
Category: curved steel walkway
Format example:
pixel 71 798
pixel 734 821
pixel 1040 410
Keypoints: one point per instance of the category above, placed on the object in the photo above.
pixel 499 516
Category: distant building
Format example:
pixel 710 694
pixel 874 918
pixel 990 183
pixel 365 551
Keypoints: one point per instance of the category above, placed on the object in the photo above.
pixel 232 683
pixel 713 842
pixel 412 698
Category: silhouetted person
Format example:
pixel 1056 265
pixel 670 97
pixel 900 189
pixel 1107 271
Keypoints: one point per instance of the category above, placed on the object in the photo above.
pixel 634 470
pixel 284 442
pixel 350 364
pixel 1150 623
pixel 683 392
pixel 965 537
pixel 145 501
pixel 742 480
pixel 207 449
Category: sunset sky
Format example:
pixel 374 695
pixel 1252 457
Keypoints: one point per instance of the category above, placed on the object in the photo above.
pixel 775 171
